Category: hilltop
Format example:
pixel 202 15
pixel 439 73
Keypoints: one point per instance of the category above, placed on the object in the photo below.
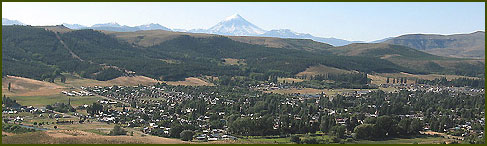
pixel 458 45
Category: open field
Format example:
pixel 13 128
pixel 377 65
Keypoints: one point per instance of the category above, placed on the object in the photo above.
pixel 81 137
pixel 289 80
pixel 382 77
pixel 191 81
pixel 321 69
pixel 76 81
pixel 419 140
pixel 29 87
pixel 152 37
pixel 330 92
pixel 233 61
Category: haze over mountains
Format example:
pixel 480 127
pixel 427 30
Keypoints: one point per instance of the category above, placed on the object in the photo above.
pixel 458 45
pixel 234 25
pixel 461 45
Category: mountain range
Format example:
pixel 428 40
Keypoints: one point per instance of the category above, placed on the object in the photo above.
pixel 6 21
pixel 470 45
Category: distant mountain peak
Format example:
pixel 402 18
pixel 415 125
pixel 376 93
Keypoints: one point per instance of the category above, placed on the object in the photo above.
pixel 109 24
pixel 235 25
pixel 6 21
pixel 152 26
pixel 234 16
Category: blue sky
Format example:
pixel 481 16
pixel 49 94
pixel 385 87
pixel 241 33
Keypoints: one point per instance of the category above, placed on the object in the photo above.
pixel 350 21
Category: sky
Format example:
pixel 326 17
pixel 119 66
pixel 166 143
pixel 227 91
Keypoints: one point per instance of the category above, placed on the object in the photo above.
pixel 350 21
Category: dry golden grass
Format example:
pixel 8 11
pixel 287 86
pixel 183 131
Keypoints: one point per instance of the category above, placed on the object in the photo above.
pixel 232 61
pixel 81 137
pixel 60 29
pixel 321 69
pixel 151 37
pixel 265 41
pixel 289 80
pixel 29 87
pixel 191 81
pixel 76 81
pixel 424 77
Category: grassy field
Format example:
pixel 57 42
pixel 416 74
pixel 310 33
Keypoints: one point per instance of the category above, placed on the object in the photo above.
pixel 321 69
pixel 75 81
pixel 289 80
pixel 191 81
pixel 28 87
pixel 330 92
pixel 286 140
pixel 39 101
pixel 419 140
pixel 232 61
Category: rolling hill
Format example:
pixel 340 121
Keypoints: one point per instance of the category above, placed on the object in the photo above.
pixel 412 58
pixel 40 53
pixel 458 45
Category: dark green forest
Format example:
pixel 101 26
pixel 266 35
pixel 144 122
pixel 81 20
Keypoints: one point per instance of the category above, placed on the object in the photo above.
pixel 37 53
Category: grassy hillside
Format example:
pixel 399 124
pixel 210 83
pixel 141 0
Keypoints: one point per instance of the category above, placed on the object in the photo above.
pixel 156 37
pixel 459 45
pixel 412 58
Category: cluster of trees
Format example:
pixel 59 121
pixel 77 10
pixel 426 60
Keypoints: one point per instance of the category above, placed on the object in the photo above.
pixel 401 80
pixel 459 82
pixel 108 74
pixel 8 102
pixel 387 127
pixel 61 107
pixel 176 129
pixel 186 135
pixel 117 130
pixel 346 80
pixel 14 128
pixel 253 126
pixel 353 78
pixel 95 108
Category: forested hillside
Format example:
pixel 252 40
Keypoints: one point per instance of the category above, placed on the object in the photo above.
pixel 37 53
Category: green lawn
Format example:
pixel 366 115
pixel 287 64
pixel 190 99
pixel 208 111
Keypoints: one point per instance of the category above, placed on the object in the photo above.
pixel 419 140
pixel 40 101
pixel 286 140
pixel 267 140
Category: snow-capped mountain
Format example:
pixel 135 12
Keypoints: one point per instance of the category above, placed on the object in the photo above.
pixel 235 25
pixel 285 33
pixel 6 21
pixel 111 24
pixel 74 26
pixel 152 26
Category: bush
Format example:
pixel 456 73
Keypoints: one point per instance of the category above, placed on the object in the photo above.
pixel 117 130
pixel 186 135
pixel 310 141
pixel 15 128
pixel 349 140
pixel 295 139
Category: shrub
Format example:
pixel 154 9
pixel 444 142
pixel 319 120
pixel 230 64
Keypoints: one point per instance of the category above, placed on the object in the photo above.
pixel 295 139
pixel 117 130
pixel 186 135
